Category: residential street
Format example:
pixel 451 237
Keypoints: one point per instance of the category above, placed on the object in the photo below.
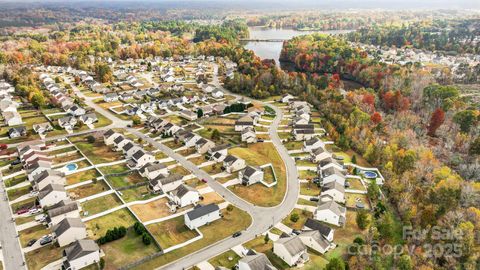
pixel 10 247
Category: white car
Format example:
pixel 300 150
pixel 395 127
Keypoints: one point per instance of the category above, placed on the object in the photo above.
pixel 34 210
pixel 33 194
pixel 40 218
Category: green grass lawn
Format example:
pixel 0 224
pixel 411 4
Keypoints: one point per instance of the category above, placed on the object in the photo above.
pixel 259 154
pixel 233 221
pixel 64 159
pixel 15 180
pixel 41 257
pixel 100 204
pixel 13 194
pixel 136 194
pixel 97 227
pixel 82 176
pixel 306 163
pixel 307 174
pixel 61 151
pixel 125 250
pixel 213 169
pixel 117 168
pixel 227 259
pixel 28 203
pixel 180 170
pixel 306 202
pixel 302 214
pixel 125 180
pixel 293 145
pixel 171 232
pixel 23 220
pixel 309 189
pixel 32 233
pixel 97 152
pixel 88 190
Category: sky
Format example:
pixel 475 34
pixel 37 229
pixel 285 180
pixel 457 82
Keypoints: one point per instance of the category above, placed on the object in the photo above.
pixel 277 4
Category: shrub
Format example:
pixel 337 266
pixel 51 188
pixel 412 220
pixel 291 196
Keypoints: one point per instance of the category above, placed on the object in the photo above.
pixel 294 217
pixel 90 139
pixel 139 228
pixel 146 238
pixel 229 208
pixel 112 235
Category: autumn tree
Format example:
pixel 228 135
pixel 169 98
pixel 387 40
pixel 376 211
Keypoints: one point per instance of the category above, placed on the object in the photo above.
pixel 103 72
pixel 465 119
pixel 376 118
pixel 437 119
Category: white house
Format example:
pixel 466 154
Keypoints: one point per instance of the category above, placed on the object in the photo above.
pixel 189 115
pixel 217 93
pixel 12 118
pixel 119 142
pixel 291 250
pixel 140 158
pixel 165 183
pixel 203 145
pixel 49 177
pixel 67 122
pixel 42 128
pixel 244 122
pixel 250 175
pixel 75 110
pixel 218 153
pixel 255 261
pixel 129 149
pixel 248 135
pixel 335 190
pixel 110 97
pixel 314 240
pixel 151 171
pixel 52 194
pixel 37 167
pixel 303 134
pixel 312 224
pixel 89 118
pixel 311 144
pixel 287 98
pixel 331 212
pixel 81 254
pixel 109 136
pixel 201 215
pixel 232 164
pixel 16 132
pixel 63 209
pixel 319 153
pixel 184 195
pixel 69 230
pixel 332 174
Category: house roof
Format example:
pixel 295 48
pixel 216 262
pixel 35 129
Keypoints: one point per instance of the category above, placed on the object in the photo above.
pixel 304 131
pixel 319 150
pixel 182 190
pixel 62 207
pixel 219 148
pixel 49 189
pixel 250 170
pixel 292 244
pixel 66 224
pixel 119 139
pixel 202 210
pixel 128 146
pixel 331 171
pixel 230 159
pixel 332 206
pixel 317 237
pixel 81 248
pixel 258 262
pixel 245 120
pixel 312 141
pixel 47 173
pixel 247 130
pixel 313 224
pixel 333 185
pixel 166 179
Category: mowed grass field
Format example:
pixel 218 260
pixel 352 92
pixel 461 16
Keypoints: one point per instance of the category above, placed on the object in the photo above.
pixel 39 258
pixel 258 194
pixel 171 232
pixel 97 152
pixel 233 221
pixel 97 227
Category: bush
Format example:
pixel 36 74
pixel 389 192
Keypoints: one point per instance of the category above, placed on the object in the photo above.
pixel 139 228
pixel 146 238
pixel 294 217
pixel 112 235
pixel 229 208
pixel 102 263
pixel 90 139
pixel 136 120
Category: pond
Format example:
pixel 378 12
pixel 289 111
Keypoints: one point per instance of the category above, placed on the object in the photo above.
pixel 271 50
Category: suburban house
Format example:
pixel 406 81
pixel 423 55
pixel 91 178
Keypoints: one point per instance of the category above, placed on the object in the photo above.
pixel 75 110
pixel 332 174
pixel 151 171
pixel 233 164
pixel 335 190
pixel 244 122
pixel 165 183
pixel 119 142
pixel 52 194
pixel 81 254
pixel 201 215
pixel 140 158
pixel 67 122
pixel 37 167
pixel 287 98
pixel 16 132
pixel 89 118
pixel 319 153
pixel 109 136
pixel 297 120
pixel 255 261
pixel 314 240
pixel 110 97
pixel 311 144
pixel 184 195
pixel 329 162
pixel 331 212
pixel 217 93
pixel 49 177
pixel 248 135
pixel 129 149
pixel 312 224
pixel 290 249
pixel 63 209
pixel 190 139
pixel 250 175
pixel 303 134
pixel 69 230
pixel 189 115
pixel 12 118
pixel 218 153
pixel 42 128
pixel 203 145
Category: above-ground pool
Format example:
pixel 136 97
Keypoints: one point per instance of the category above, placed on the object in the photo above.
pixel 71 167
pixel 370 174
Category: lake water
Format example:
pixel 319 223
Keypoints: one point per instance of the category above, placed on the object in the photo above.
pixel 271 50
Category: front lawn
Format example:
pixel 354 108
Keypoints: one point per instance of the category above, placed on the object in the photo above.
pixel 16 193
pixel 82 176
pixel 302 218
pixel 125 250
pixel 307 174
pixel 125 180
pixel 213 169
pixel 32 233
pixel 41 257
pixel 97 227
pixel 88 190
pixel 306 202
pixel 171 232
pixel 227 259
pixel 136 194
pixel 233 221
pixel 100 204
pixel 259 154
pixel 117 168
pixel 309 189
pixel 28 203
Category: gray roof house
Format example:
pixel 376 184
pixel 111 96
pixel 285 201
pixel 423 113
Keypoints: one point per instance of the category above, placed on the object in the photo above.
pixel 81 254
pixel 258 261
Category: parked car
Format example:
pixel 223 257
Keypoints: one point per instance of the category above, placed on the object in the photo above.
pixel 204 180
pixel 31 242
pixel 260 140
pixel 3 146
pixel 22 211
pixel 297 232
pixel 237 234
pixel 33 193
pixel 40 218
pixel 314 199
pixel 15 162
pixel 34 210
pixel 46 240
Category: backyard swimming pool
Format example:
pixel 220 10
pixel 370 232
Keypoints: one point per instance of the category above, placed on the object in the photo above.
pixel 71 167
pixel 370 175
